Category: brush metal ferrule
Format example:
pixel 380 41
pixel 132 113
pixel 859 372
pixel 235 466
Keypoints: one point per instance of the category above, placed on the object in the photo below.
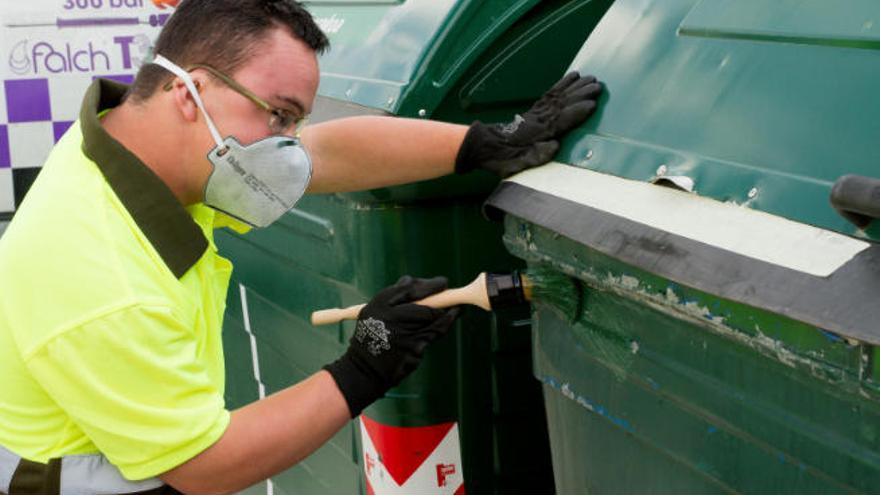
pixel 505 290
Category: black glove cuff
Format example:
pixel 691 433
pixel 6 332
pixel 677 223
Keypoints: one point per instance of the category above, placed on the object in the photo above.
pixel 355 384
pixel 469 153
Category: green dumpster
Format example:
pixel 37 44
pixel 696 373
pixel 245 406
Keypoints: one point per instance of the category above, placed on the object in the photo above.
pixel 729 317
pixel 471 417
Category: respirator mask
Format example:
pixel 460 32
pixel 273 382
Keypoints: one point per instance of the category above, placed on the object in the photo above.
pixel 255 183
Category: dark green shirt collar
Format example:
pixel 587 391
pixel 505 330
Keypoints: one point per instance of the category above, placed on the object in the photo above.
pixel 156 211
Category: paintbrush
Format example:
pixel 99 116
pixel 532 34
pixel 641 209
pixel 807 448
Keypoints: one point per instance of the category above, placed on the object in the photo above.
pixel 490 291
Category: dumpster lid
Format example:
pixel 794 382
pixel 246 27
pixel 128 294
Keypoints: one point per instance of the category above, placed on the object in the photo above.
pixel 809 274
pixel 383 51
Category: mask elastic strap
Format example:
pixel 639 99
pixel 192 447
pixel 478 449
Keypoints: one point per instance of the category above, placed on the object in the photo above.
pixel 187 80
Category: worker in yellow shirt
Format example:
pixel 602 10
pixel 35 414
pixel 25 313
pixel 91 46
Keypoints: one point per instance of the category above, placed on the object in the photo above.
pixel 112 292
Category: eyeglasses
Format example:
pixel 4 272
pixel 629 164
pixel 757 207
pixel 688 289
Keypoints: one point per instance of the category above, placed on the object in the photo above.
pixel 281 121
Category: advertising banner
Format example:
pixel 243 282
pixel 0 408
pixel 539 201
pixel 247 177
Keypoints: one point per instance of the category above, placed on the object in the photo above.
pixel 50 51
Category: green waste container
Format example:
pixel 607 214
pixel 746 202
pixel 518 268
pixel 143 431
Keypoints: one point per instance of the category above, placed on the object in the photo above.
pixel 729 317
pixel 471 417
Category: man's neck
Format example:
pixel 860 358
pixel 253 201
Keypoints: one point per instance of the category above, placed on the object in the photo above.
pixel 136 128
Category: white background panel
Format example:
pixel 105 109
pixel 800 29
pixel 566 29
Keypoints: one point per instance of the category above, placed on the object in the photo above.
pixel 30 143
pixel 6 198
pixel 67 108
pixel 3 119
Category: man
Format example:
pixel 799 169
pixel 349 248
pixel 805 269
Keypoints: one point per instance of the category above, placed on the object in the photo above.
pixel 111 289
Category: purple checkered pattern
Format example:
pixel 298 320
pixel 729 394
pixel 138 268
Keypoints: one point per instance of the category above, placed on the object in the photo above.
pixel 5 162
pixel 59 128
pixel 27 100
pixel 38 113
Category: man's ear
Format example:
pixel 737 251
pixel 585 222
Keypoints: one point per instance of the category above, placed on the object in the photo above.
pixel 184 100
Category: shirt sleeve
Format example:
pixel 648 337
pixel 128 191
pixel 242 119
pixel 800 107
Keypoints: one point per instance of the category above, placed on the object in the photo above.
pixel 133 381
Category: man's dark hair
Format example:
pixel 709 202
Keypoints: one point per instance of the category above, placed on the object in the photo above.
pixel 222 33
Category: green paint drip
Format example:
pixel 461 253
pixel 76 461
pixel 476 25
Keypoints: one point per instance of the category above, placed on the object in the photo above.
pixel 549 288
pixel 544 285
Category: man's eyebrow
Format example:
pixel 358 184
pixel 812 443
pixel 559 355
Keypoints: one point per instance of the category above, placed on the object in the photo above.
pixel 293 102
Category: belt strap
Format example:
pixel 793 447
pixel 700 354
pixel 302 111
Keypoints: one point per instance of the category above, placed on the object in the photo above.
pixel 89 474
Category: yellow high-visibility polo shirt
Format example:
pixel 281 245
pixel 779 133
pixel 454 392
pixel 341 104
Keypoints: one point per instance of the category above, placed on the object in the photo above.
pixel 111 304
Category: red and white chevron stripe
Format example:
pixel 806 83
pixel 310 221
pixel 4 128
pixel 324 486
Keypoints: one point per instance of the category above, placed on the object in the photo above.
pixel 422 460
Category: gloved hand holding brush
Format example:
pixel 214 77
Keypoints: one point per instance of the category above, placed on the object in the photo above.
pixel 389 340
pixel 490 291
pixel 532 138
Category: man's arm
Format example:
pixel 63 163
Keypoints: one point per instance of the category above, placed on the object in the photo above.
pixel 266 437
pixel 270 435
pixel 360 153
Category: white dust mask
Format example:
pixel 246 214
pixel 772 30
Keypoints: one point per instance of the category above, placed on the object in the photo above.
pixel 255 183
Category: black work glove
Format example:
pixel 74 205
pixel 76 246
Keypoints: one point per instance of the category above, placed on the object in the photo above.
pixel 389 340
pixel 532 138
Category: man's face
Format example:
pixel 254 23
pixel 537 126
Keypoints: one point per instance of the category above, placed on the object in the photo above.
pixel 283 71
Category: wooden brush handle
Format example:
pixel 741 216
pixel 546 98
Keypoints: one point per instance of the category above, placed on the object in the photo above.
pixel 335 315
pixel 474 293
